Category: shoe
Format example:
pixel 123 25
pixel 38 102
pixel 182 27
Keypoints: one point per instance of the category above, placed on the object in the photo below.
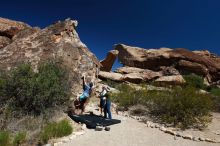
pixel 107 128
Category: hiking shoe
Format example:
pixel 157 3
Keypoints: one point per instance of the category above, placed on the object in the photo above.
pixel 107 128
pixel 98 128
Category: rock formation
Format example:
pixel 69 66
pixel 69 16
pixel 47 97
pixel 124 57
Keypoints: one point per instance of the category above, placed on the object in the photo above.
pixel 179 61
pixel 108 62
pixel 21 43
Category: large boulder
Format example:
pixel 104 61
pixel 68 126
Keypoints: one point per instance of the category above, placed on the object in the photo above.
pixel 201 63
pixel 59 42
pixel 108 62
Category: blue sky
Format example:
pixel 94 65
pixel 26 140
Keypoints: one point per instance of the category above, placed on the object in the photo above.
pixel 191 24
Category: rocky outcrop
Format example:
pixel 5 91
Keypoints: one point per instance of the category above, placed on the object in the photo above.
pixel 136 75
pixel 133 77
pixel 108 62
pixel 59 42
pixel 111 76
pixel 9 28
pixel 183 61
pixel 170 80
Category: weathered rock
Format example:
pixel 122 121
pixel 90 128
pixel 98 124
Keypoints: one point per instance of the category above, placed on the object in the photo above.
pixel 4 41
pixel 130 77
pixel 111 76
pixel 133 77
pixel 169 131
pixel 193 67
pixel 168 71
pixel 108 62
pixel 137 75
pixel 9 28
pixel 205 64
pixel 171 80
pixel 190 137
pixel 59 41
pixel 127 70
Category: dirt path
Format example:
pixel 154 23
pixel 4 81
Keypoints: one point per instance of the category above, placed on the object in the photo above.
pixel 131 133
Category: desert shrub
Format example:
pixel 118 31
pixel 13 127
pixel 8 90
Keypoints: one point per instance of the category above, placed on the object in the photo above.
pixel 215 92
pixel 183 107
pixel 194 81
pixel 111 83
pixel 180 106
pixel 4 138
pixel 34 92
pixel 128 96
pixel 54 130
pixel 19 138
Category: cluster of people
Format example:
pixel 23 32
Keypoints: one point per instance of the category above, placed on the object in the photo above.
pixel 105 103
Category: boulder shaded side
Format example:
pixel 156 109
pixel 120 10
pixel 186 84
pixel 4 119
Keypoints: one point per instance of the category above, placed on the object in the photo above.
pixel 108 62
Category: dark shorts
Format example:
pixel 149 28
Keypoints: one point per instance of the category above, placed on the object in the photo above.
pixel 102 103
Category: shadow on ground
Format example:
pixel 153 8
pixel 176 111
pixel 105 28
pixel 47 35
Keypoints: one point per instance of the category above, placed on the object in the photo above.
pixel 92 120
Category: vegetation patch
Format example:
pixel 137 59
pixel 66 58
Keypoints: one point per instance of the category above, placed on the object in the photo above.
pixel 7 139
pixel 184 107
pixel 55 130
pixel 194 80
pixel 4 138
pixel 34 92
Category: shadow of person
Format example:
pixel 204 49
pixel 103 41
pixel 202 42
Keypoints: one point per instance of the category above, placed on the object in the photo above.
pixel 92 120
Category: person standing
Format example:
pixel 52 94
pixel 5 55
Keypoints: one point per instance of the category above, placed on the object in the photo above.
pixel 107 107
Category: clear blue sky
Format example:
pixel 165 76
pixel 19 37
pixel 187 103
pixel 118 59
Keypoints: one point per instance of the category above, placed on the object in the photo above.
pixel 192 24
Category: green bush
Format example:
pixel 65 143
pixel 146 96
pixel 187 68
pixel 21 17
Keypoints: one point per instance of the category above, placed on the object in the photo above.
pixel 111 83
pixel 4 138
pixel 19 138
pixel 180 106
pixel 34 92
pixel 128 95
pixel 215 91
pixel 183 107
pixel 194 81
pixel 54 130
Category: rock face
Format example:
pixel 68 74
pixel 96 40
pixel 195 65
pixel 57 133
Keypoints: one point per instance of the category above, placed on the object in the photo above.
pixel 59 41
pixel 137 75
pixel 111 76
pixel 108 62
pixel 172 80
pixel 4 41
pixel 181 60
pixel 9 28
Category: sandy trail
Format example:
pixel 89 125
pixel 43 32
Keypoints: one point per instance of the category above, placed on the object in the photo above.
pixel 130 132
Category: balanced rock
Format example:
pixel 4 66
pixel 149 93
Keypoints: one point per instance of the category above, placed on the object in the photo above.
pixel 108 62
